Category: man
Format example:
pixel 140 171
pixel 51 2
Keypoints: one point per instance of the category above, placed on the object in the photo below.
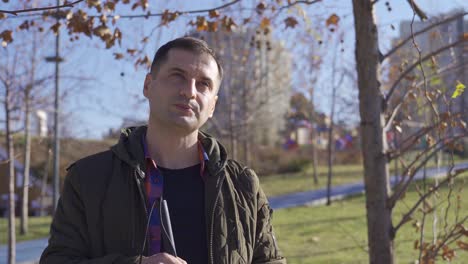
pixel 110 209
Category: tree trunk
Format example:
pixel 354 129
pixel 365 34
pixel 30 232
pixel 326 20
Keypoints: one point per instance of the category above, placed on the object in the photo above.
pixel 330 146
pixel 11 182
pixel 314 158
pixel 27 145
pixel 27 158
pixel 314 138
pixel 330 150
pixel 45 176
pixel 376 176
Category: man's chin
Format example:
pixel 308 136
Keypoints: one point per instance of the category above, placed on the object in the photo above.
pixel 186 125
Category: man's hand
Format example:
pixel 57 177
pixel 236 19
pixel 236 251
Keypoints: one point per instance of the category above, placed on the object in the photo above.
pixel 163 258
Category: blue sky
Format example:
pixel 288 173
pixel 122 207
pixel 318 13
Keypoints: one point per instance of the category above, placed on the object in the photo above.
pixel 113 90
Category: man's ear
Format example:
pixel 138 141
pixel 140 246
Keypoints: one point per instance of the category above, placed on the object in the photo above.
pixel 213 106
pixel 147 84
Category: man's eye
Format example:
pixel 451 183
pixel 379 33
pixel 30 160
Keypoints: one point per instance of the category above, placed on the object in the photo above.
pixel 177 75
pixel 204 86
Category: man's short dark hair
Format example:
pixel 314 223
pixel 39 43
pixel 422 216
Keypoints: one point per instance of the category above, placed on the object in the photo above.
pixel 194 45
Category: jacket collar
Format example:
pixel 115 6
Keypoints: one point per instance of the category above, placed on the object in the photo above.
pixel 130 149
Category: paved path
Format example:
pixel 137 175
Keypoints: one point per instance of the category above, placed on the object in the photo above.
pixel 316 197
pixel 26 252
pixel 29 252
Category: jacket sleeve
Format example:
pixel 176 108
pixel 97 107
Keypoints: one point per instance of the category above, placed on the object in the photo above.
pixel 266 248
pixel 69 242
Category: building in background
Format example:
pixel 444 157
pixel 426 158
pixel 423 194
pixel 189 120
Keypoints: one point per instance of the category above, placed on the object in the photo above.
pixel 254 95
pixel 41 129
pixel 443 71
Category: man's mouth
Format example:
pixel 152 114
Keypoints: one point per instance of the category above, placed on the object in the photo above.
pixel 184 107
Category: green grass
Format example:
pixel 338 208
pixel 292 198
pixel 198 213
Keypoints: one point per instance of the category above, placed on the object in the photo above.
pixel 337 233
pixel 38 228
pixel 303 181
pixel 279 184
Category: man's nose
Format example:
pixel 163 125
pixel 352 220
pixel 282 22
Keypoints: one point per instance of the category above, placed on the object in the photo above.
pixel 189 90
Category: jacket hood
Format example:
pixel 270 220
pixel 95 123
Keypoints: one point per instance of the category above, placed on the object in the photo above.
pixel 130 149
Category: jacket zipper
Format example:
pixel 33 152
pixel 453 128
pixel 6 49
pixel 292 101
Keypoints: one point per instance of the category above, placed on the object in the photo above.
pixel 212 219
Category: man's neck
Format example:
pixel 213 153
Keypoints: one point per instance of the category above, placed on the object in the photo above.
pixel 172 150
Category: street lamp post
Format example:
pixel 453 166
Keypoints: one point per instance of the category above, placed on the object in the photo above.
pixel 57 60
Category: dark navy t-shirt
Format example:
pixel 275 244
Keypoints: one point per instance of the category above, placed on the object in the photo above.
pixel 184 192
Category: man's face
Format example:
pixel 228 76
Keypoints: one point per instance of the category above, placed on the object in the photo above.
pixel 182 92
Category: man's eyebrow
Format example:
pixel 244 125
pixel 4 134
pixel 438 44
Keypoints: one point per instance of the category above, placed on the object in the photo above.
pixel 177 69
pixel 203 77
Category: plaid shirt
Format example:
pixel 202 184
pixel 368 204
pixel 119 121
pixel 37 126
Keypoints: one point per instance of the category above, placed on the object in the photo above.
pixel 154 189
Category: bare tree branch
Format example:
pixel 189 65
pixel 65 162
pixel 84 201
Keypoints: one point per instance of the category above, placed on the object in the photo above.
pixel 16 12
pixel 402 99
pixel 417 10
pixel 414 65
pixel 403 185
pixel 418 135
pixel 394 49
pixel 182 12
pixel 407 216
pixel 299 2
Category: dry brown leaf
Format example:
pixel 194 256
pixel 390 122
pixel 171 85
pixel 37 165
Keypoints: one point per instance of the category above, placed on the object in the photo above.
pixel 102 31
pixel 261 7
pixel 265 23
pixel 416 244
pixel 462 245
pixel 92 3
pixel 228 24
pixel 465 36
pixel 168 16
pixel 333 20
pixel 448 254
pixel 131 51
pixel 290 22
pixel 118 56
pixel 201 24
pixel 463 230
pixel 24 25
pixel 55 28
pixel 212 26
pixel 118 35
pixel 109 6
pixel 103 18
pixel 213 13
pixel 96 4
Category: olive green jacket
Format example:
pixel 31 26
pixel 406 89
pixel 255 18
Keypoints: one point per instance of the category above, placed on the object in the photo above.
pixel 102 215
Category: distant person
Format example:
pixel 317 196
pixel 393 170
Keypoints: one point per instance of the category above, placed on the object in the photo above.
pixel 110 209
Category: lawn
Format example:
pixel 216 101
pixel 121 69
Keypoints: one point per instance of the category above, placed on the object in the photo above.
pixel 337 233
pixel 38 228
pixel 303 181
pixel 279 184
